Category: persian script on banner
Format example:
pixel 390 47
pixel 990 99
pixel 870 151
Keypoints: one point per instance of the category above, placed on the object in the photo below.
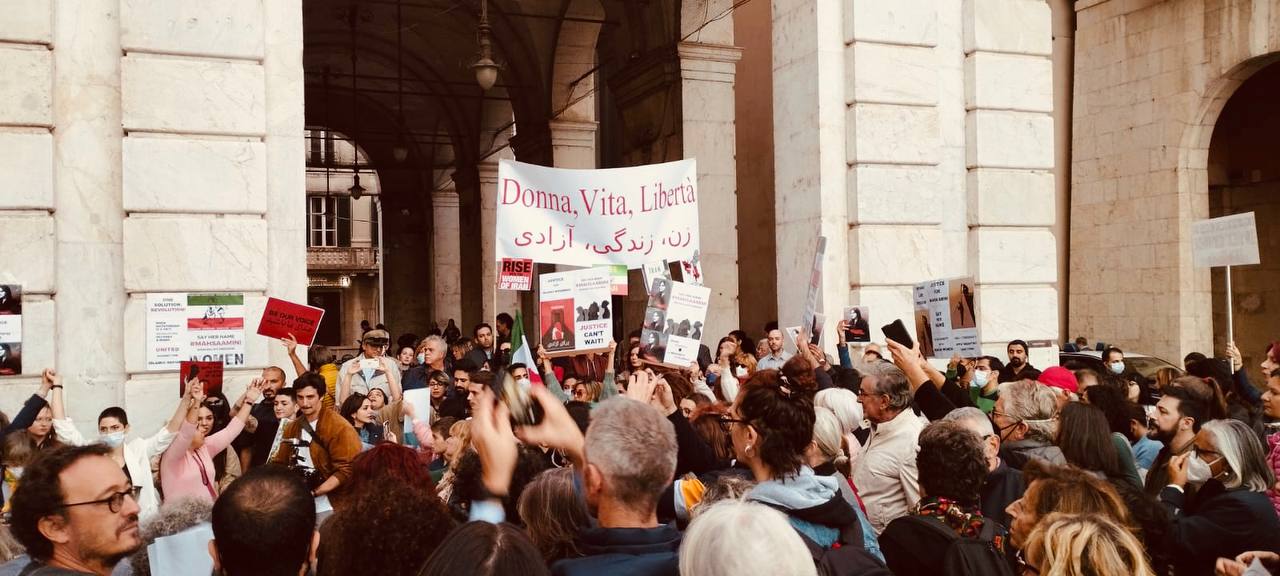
pixel 626 216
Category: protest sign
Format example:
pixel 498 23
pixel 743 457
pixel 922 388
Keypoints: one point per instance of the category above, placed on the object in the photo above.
pixel 618 272
pixel 281 318
pixel 946 319
pixel 207 327
pixel 208 372
pixel 815 286
pixel 857 324
pixel 516 274
pixel 421 400
pixel 186 552
pixel 673 323
pixel 691 269
pixel 574 311
pixel 10 329
pixel 1226 241
pixel 589 217
pixel 653 271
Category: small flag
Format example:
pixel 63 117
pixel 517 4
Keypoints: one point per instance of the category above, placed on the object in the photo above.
pixel 520 352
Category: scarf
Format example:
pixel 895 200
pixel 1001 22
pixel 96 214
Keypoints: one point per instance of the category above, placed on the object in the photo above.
pixel 965 520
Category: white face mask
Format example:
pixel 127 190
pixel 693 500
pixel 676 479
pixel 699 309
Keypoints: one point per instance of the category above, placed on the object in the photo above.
pixel 113 439
pixel 524 383
pixel 980 377
pixel 1198 471
pixel 740 372
pixel 1117 367
pixel 422 358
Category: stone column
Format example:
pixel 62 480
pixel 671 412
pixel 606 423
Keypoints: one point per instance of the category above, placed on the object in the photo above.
pixel 446 256
pixel 285 158
pixel 707 120
pixel 809 131
pixel 89 209
pixel 494 301
pixel 1009 128
pixel 573 144
pixel 27 224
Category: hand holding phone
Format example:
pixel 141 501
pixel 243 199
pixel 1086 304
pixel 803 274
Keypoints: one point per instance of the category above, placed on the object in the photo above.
pixel 897 331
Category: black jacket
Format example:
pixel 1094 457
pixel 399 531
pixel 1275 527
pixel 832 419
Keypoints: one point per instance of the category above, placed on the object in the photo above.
pixel 1002 486
pixel 624 552
pixel 1218 522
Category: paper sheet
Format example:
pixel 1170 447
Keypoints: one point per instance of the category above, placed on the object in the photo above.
pixel 186 552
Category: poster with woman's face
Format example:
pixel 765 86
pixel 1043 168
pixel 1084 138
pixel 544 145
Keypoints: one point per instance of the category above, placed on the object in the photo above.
pixel 10 329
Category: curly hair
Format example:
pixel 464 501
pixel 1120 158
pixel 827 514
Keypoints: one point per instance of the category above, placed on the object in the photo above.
pixel 1085 544
pixel 174 517
pixel 390 460
pixel 391 529
pixel 40 495
pixel 952 462
pixel 780 409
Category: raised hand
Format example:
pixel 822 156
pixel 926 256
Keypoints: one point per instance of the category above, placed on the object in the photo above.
pixel 494 442
pixel 290 343
pixel 48 379
pixel 640 386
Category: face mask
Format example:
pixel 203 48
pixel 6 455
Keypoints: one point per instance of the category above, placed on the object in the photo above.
pixel 524 383
pixel 980 378
pixel 1198 471
pixel 1117 367
pixel 740 372
pixel 113 439
pixel 16 471
pixel 422 358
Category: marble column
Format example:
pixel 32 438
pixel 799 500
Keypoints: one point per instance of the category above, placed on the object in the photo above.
pixel 809 132
pixel 573 144
pixel 708 134
pixel 89 206
pixel 494 300
pixel 446 256
pixel 285 144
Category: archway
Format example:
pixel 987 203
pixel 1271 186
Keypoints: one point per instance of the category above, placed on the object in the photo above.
pixel 1243 176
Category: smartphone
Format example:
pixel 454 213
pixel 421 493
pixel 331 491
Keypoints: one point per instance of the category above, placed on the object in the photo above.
pixel 192 372
pixel 897 331
pixel 369 364
pixel 525 411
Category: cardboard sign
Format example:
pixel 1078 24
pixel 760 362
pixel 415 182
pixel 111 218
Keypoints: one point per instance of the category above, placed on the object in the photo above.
pixel 208 372
pixel 857 324
pixel 815 285
pixel 205 327
pixel 10 329
pixel 623 216
pixel 619 274
pixel 1226 241
pixel 574 311
pixel 946 318
pixel 516 274
pixel 281 318
pixel 673 323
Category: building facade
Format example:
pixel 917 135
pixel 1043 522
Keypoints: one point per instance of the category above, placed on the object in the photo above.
pixel 170 146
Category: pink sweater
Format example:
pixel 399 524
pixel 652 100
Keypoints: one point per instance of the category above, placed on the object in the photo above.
pixel 1273 460
pixel 180 475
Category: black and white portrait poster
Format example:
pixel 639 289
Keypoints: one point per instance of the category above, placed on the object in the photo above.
pixel 674 322
pixel 10 329
pixel 947 318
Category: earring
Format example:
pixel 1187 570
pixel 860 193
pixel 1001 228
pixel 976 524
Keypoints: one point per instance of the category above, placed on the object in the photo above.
pixel 748 448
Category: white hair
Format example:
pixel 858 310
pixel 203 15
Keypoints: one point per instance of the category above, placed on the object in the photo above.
pixel 844 404
pixel 634 446
pixel 827 435
pixel 738 538
pixel 972 418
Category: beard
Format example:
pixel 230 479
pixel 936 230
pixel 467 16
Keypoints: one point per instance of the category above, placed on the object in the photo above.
pixel 1161 436
pixel 1015 362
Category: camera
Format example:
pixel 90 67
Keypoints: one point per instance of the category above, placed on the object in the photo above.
pixel 304 470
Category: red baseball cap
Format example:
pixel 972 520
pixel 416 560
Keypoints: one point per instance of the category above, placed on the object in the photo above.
pixel 1059 377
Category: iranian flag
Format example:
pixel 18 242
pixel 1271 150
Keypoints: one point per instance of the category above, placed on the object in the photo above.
pixel 520 351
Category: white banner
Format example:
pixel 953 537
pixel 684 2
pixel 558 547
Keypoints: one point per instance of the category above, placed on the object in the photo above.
pixel 1225 241
pixel 589 217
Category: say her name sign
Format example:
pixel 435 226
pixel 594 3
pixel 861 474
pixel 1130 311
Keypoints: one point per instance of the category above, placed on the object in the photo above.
pixel 590 217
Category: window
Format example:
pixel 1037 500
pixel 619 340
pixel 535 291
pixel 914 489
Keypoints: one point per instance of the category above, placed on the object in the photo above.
pixel 328 221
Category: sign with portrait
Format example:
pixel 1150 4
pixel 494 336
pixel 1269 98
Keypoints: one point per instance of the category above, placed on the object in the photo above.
pixel 946 318
pixel 574 311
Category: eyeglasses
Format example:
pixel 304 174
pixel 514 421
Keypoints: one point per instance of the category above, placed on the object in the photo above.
pixel 727 419
pixel 113 502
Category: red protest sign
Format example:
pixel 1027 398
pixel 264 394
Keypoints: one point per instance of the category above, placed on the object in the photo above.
pixel 516 274
pixel 208 372
pixel 281 318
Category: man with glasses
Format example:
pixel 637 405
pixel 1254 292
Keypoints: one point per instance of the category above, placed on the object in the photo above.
pixel 885 473
pixel 76 513
pixel 372 368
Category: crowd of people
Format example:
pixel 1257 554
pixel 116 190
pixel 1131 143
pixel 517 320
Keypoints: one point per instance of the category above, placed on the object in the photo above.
pixel 751 461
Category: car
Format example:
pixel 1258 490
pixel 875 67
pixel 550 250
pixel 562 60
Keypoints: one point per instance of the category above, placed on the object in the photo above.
pixel 1146 366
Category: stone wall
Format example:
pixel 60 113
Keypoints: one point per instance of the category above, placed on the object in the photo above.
pixel 159 147
pixel 917 136
pixel 1151 78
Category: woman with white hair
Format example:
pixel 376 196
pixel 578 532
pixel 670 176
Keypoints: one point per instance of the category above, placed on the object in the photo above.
pixel 1229 512
pixel 827 458
pixel 844 404
pixel 739 538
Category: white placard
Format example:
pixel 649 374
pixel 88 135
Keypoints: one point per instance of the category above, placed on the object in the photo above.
pixel 187 326
pixel 575 311
pixel 946 318
pixel 1225 241
pixel 590 217
pixel 674 320
pixel 186 552
pixel 421 400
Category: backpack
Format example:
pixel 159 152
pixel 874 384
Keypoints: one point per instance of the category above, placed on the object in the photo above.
pixel 846 558
pixel 968 556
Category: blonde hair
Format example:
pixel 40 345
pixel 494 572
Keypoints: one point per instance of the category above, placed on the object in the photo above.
pixel 827 435
pixel 1085 545
pixel 462 431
